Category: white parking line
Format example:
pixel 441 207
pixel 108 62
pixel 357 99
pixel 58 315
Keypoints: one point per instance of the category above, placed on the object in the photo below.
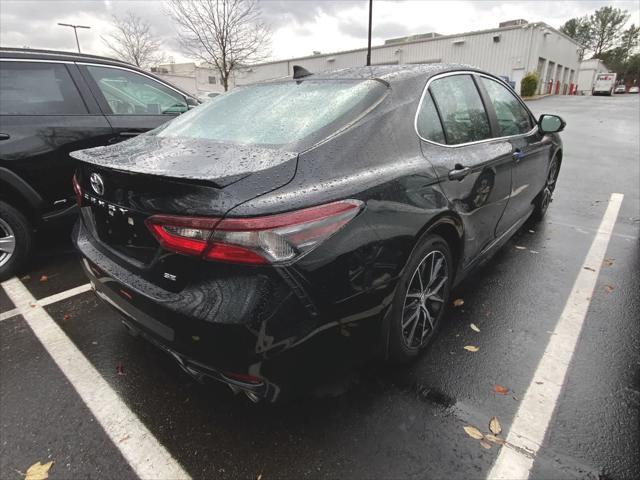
pixel 43 302
pixel 146 456
pixel 534 414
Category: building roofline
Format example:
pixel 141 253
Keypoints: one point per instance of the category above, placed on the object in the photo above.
pixel 424 40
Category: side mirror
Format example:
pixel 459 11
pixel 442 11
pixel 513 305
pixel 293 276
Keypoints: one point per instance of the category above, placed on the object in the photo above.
pixel 192 102
pixel 551 123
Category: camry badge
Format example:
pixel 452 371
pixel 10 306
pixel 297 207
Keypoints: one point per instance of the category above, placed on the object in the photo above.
pixel 97 184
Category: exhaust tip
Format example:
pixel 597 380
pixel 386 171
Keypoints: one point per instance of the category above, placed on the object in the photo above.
pixel 252 396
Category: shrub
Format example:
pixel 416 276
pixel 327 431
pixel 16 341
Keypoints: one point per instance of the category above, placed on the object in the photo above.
pixel 529 84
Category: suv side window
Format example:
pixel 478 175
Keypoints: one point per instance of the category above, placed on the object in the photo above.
pixel 38 88
pixel 129 93
pixel 513 118
pixel 463 115
pixel 428 121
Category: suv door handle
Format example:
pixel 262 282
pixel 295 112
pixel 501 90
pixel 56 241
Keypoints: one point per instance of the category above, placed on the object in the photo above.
pixel 4 136
pixel 459 173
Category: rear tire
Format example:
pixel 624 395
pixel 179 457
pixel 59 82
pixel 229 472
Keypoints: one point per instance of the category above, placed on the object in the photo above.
pixel 16 240
pixel 545 197
pixel 420 299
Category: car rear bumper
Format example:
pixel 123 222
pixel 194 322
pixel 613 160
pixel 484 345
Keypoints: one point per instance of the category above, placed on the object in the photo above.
pixel 277 340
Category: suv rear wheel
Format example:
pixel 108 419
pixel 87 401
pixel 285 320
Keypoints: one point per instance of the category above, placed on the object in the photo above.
pixel 16 239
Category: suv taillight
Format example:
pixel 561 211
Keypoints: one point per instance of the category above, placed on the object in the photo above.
pixel 270 239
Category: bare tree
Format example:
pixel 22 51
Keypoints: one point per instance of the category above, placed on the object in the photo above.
pixel 227 34
pixel 133 42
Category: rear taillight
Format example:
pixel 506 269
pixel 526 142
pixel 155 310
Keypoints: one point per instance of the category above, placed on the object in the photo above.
pixel 77 190
pixel 269 239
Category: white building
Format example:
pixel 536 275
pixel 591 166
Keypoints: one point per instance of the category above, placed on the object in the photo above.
pixel 511 50
pixel 197 80
pixel 588 71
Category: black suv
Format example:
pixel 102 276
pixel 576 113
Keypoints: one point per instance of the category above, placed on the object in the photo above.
pixel 52 103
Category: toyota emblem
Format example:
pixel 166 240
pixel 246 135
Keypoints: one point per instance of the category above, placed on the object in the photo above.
pixel 97 184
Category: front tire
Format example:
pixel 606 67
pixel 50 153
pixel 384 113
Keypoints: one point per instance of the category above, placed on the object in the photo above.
pixel 420 299
pixel 16 240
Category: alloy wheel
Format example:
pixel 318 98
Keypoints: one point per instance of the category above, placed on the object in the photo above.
pixel 7 242
pixel 424 300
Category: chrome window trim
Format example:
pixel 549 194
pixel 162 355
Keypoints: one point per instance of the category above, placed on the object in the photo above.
pixel 425 91
pixel 39 60
pixel 182 94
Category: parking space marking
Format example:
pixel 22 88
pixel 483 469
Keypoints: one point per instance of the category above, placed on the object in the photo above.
pixel 532 419
pixel 43 302
pixel 146 456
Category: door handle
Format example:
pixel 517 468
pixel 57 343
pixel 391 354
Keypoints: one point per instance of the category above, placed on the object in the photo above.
pixel 518 154
pixel 459 173
pixel 4 136
pixel 129 134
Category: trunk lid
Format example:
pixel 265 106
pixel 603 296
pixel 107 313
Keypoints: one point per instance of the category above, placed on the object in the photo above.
pixel 150 175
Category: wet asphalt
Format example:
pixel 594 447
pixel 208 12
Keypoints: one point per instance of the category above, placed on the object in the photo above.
pixel 377 421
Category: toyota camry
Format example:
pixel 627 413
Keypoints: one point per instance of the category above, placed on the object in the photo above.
pixel 287 224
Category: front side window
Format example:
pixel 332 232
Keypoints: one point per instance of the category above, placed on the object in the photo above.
pixel 275 114
pixel 38 88
pixel 129 93
pixel 513 119
pixel 428 122
pixel 463 116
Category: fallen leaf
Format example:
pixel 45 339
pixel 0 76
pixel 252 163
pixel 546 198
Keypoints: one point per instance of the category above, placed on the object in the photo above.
pixel 494 426
pixel 458 302
pixel 533 251
pixel 608 288
pixel 473 432
pixel 259 477
pixel 38 471
pixel 474 327
pixel 44 278
pixel 607 262
pixel 125 438
pixel 66 317
pixel 532 231
pixel 26 278
pixel 493 439
pixel 471 348
pixel 500 389
pixel 590 269
pixel 520 247
pixel 120 369
pixel 485 445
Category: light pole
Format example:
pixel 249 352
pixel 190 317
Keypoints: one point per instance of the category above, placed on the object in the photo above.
pixel 369 40
pixel 75 30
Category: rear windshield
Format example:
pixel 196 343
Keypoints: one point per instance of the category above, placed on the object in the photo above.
pixel 277 114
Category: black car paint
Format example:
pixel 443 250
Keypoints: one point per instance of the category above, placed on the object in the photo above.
pixel 35 166
pixel 333 303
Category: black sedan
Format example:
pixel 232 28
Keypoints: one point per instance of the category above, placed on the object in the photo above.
pixel 288 225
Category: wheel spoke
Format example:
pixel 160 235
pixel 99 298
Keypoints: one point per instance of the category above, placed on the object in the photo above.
pixel 413 329
pixel 420 278
pixel 428 316
pixel 411 318
pixel 7 244
pixel 437 288
pixel 414 295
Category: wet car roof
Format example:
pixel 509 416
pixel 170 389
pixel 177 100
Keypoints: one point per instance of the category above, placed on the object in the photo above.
pixel 387 73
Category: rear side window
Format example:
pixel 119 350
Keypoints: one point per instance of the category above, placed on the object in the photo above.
pixel 463 116
pixel 129 93
pixel 513 119
pixel 276 114
pixel 428 122
pixel 38 88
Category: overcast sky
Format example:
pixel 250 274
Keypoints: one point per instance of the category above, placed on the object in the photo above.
pixel 299 26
